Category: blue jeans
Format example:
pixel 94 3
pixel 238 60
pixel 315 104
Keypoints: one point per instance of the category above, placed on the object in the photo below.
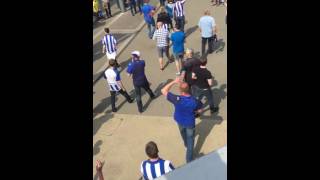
pixel 187 135
pixel 151 28
pixel 180 21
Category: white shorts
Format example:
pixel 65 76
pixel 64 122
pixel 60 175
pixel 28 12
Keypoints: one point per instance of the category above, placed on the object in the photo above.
pixel 112 55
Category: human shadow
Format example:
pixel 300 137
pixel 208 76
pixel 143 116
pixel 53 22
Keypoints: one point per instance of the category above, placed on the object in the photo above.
pixel 97 123
pixel 157 93
pixel 219 46
pixel 96 147
pixel 218 95
pixel 97 51
pixel 190 30
pixel 203 129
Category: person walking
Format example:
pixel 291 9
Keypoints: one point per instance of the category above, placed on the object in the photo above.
pixel 136 71
pixel 187 66
pixel 107 8
pixel 132 4
pixel 178 13
pixel 112 75
pixel 162 37
pixel 178 40
pixel 202 84
pixel 109 45
pixel 140 4
pixel 169 8
pixel 148 12
pixel 165 19
pixel 155 166
pixel 208 30
pixel 186 107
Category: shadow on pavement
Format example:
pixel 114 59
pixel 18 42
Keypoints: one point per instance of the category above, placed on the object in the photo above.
pixel 157 93
pixel 219 46
pixel 97 123
pixel 96 147
pixel 191 30
pixel 218 95
pixel 203 129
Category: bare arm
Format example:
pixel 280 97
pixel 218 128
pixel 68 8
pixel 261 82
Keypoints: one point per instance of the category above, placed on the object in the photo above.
pixel 121 85
pixel 165 90
pixel 99 170
pixel 210 82
pixel 103 49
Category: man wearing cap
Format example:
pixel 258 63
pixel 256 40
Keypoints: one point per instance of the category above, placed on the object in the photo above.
pixel 136 70
pixel 114 81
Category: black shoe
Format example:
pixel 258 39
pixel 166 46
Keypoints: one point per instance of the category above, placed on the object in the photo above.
pixel 114 110
pixel 196 115
pixel 216 109
pixel 130 100
pixel 140 111
pixel 153 97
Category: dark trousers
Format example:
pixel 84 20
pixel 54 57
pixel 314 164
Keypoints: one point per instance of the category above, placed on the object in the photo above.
pixel 180 21
pixel 140 4
pixel 137 89
pixel 162 2
pixel 200 93
pixel 210 44
pixel 108 10
pixel 133 7
pixel 113 97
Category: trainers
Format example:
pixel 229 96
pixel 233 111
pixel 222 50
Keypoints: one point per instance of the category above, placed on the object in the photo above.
pixel 114 110
pixel 130 100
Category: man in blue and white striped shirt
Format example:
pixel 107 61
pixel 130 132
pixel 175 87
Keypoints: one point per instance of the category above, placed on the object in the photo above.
pixel 155 166
pixel 178 13
pixel 109 45
pixel 114 81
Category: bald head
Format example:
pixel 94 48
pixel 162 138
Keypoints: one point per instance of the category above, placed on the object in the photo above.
pixel 189 53
pixel 207 12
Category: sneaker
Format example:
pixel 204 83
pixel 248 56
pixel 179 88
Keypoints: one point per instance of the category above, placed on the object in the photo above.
pixel 140 111
pixel 130 100
pixel 153 97
pixel 114 110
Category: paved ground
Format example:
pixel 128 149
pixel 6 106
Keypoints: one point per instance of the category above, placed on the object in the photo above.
pixel 119 139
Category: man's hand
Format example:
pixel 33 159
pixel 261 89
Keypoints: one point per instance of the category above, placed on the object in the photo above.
pixel 177 80
pixel 99 166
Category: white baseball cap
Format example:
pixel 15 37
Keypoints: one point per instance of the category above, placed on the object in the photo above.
pixel 136 53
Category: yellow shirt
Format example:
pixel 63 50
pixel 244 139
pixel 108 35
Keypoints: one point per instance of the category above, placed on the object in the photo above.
pixel 95 6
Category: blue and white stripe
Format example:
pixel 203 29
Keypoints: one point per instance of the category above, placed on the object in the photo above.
pixel 113 76
pixel 178 8
pixel 110 42
pixel 152 170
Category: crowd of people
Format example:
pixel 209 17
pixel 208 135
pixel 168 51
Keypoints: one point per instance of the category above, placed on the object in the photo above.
pixel 193 79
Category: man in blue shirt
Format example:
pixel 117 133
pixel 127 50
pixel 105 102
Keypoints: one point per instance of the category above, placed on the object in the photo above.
pixel 208 31
pixel 148 12
pixel 178 39
pixel 136 70
pixel 186 108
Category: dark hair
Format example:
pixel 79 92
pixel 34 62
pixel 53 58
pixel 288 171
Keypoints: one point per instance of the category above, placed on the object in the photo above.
pixel 203 61
pixel 112 62
pixel 152 150
pixel 177 26
pixel 106 30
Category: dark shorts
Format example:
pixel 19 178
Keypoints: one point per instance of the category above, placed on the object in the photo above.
pixel 178 56
pixel 162 50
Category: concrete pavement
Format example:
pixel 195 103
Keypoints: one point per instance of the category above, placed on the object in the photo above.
pixel 119 138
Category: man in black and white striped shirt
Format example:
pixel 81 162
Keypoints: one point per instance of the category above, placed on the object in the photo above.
pixel 178 13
